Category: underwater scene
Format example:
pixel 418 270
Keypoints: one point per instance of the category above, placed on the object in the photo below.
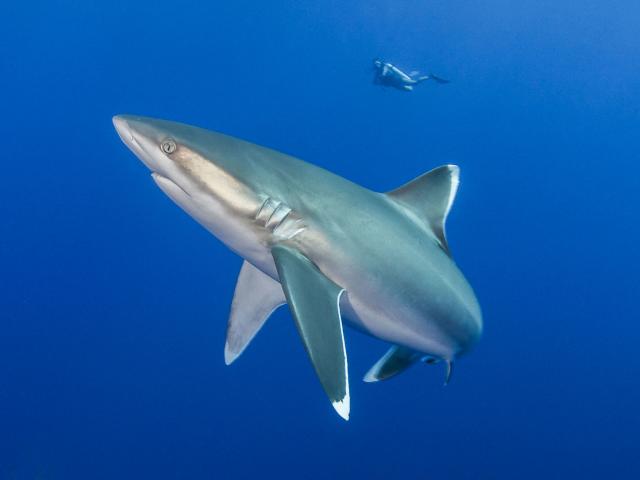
pixel 319 239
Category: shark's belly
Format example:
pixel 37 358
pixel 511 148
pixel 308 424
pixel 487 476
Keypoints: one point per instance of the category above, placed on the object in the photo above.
pixel 399 323
pixel 419 302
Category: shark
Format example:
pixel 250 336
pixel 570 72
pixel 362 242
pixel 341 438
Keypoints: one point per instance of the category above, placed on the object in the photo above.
pixel 335 252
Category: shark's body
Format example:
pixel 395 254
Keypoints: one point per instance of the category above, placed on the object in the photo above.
pixel 322 244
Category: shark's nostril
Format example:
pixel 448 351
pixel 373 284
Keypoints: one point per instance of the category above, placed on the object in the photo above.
pixel 134 140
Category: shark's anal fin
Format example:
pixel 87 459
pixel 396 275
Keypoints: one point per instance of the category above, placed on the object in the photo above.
pixel 448 371
pixel 395 361
pixel 314 303
pixel 256 296
pixel 429 197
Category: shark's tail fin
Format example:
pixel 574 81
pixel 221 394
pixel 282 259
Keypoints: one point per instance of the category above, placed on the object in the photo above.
pixel 432 77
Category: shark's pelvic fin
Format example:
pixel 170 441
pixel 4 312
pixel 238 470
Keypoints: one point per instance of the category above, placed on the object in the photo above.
pixel 395 361
pixel 256 296
pixel 314 303
pixel 430 197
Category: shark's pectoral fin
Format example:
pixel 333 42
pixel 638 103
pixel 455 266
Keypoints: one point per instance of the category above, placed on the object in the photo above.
pixel 314 303
pixel 430 197
pixel 256 296
pixel 395 361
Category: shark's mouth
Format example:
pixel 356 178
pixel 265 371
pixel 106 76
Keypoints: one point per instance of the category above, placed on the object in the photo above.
pixel 168 186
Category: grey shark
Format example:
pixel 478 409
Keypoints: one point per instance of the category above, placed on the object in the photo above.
pixel 332 250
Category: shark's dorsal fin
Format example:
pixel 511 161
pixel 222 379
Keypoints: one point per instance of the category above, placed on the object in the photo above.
pixel 430 197
pixel 314 303
pixel 395 361
pixel 256 296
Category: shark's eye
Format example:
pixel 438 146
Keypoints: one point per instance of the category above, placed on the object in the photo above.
pixel 168 146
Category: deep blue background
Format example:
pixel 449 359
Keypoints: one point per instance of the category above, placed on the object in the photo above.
pixel 113 302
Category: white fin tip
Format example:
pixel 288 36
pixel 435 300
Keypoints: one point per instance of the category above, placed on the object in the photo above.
pixel 342 407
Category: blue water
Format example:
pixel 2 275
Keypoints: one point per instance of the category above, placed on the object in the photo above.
pixel 113 302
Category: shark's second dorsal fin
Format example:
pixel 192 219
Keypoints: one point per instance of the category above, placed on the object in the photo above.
pixel 430 197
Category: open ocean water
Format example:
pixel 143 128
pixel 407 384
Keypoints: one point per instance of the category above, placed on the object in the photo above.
pixel 113 302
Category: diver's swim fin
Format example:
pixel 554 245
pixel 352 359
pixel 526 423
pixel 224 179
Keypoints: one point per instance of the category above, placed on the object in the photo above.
pixel 434 78
pixel 314 301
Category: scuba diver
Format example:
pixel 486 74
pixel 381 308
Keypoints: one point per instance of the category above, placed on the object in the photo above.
pixel 389 75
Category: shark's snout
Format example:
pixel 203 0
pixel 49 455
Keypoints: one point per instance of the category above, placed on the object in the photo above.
pixel 158 145
pixel 133 132
pixel 124 130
